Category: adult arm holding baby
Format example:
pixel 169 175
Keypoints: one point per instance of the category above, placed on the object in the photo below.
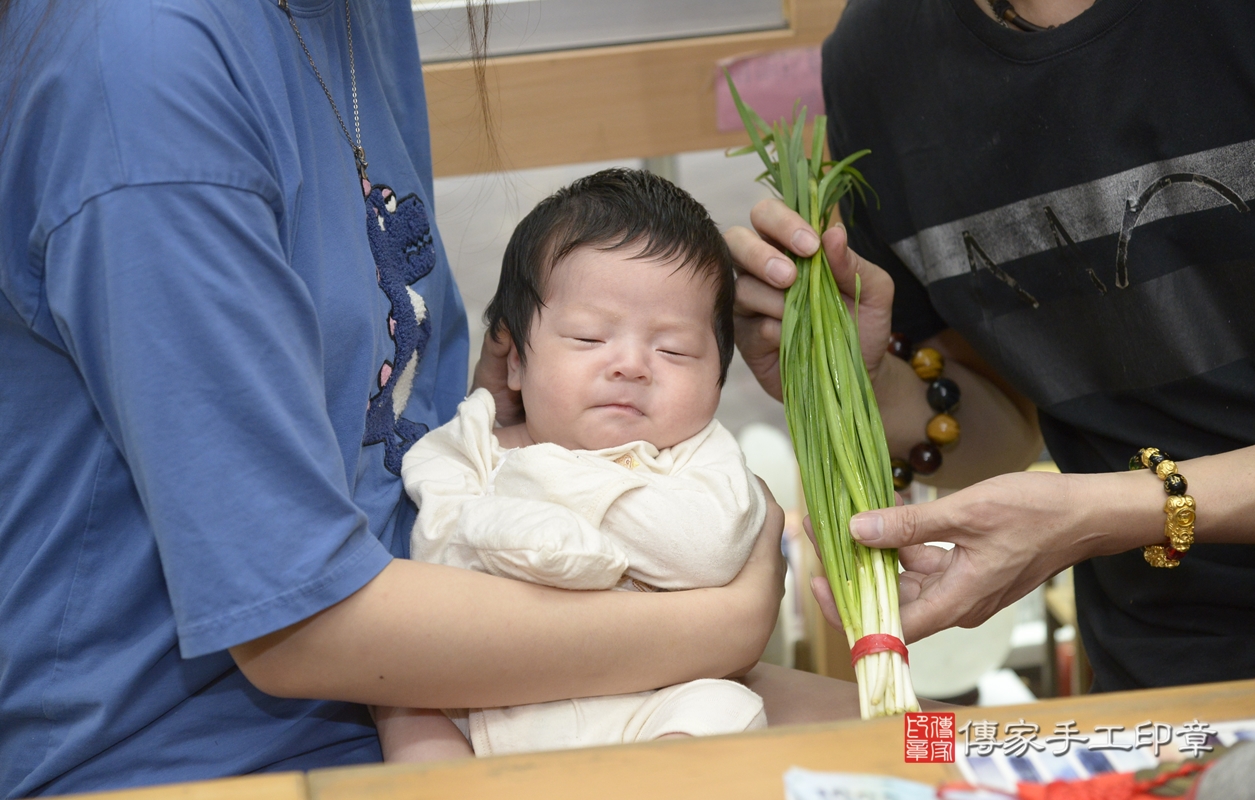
pixel 430 636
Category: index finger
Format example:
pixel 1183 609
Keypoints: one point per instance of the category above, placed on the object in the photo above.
pixel 780 224
pixel 756 257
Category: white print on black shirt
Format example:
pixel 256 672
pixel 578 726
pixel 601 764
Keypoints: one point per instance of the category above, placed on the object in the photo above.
pixel 1117 204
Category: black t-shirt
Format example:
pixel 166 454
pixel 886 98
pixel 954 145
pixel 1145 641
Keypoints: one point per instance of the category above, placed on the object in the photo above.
pixel 1077 204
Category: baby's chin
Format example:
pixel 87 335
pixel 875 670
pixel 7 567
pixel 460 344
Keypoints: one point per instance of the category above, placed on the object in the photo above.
pixel 606 438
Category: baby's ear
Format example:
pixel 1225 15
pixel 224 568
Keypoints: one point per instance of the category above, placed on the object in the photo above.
pixel 514 368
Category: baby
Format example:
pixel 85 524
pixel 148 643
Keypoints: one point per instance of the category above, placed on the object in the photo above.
pixel 616 294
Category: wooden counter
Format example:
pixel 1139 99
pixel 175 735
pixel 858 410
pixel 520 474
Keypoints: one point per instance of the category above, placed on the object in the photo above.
pixel 276 786
pixel 726 767
pixel 751 765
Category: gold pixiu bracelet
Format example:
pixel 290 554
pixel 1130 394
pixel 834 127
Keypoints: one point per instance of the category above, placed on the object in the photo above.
pixel 1179 526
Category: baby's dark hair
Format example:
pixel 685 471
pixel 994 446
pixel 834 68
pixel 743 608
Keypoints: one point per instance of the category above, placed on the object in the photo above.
pixel 613 209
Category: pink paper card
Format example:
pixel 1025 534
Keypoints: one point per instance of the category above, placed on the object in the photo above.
pixel 770 84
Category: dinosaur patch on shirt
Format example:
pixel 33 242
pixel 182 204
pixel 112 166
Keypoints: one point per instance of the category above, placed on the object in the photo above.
pixel 401 243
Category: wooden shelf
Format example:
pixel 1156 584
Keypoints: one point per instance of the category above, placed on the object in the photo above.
pixel 626 101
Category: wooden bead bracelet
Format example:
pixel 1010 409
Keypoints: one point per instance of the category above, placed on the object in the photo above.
pixel 1178 528
pixel 943 397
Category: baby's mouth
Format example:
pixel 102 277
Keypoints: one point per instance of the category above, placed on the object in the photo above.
pixel 625 408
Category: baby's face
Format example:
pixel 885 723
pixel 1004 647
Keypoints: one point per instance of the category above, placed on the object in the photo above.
pixel 624 350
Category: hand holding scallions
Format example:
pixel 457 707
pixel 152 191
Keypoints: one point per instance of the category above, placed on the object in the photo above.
pixel 765 272
pixel 831 408
pixel 1012 532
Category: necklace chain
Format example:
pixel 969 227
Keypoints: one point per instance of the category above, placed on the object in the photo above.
pixel 994 8
pixel 359 154
pixel 1007 17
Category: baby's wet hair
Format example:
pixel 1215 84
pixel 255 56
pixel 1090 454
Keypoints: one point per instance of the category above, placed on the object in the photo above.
pixel 615 209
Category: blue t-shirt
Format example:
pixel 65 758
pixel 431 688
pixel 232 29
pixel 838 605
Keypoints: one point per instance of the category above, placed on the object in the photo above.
pixel 207 341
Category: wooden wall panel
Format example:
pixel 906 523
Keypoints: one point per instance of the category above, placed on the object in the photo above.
pixel 626 101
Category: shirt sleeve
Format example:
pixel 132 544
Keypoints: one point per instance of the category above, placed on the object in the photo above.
pixel 200 348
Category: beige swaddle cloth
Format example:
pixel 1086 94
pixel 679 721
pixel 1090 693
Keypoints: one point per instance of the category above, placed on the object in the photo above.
pixel 628 517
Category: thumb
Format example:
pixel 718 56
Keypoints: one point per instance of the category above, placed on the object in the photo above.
pixel 901 526
pixel 496 344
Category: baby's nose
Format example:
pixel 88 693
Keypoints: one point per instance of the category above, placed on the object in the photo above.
pixel 631 363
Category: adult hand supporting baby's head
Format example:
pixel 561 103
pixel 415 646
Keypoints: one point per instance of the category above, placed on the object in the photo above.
pixel 490 374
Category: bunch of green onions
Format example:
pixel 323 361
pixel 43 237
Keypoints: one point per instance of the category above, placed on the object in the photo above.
pixel 830 407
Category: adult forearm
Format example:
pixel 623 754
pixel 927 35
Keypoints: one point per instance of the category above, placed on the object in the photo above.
pixel 997 434
pixel 1126 508
pixel 1014 531
pixel 424 635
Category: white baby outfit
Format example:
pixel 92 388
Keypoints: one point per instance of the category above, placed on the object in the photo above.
pixel 629 517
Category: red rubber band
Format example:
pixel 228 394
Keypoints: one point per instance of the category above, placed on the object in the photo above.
pixel 878 643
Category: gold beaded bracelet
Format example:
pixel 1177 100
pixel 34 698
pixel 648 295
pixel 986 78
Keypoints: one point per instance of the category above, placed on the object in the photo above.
pixel 1180 508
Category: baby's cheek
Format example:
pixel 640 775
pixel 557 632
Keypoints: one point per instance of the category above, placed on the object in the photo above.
pixel 698 404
